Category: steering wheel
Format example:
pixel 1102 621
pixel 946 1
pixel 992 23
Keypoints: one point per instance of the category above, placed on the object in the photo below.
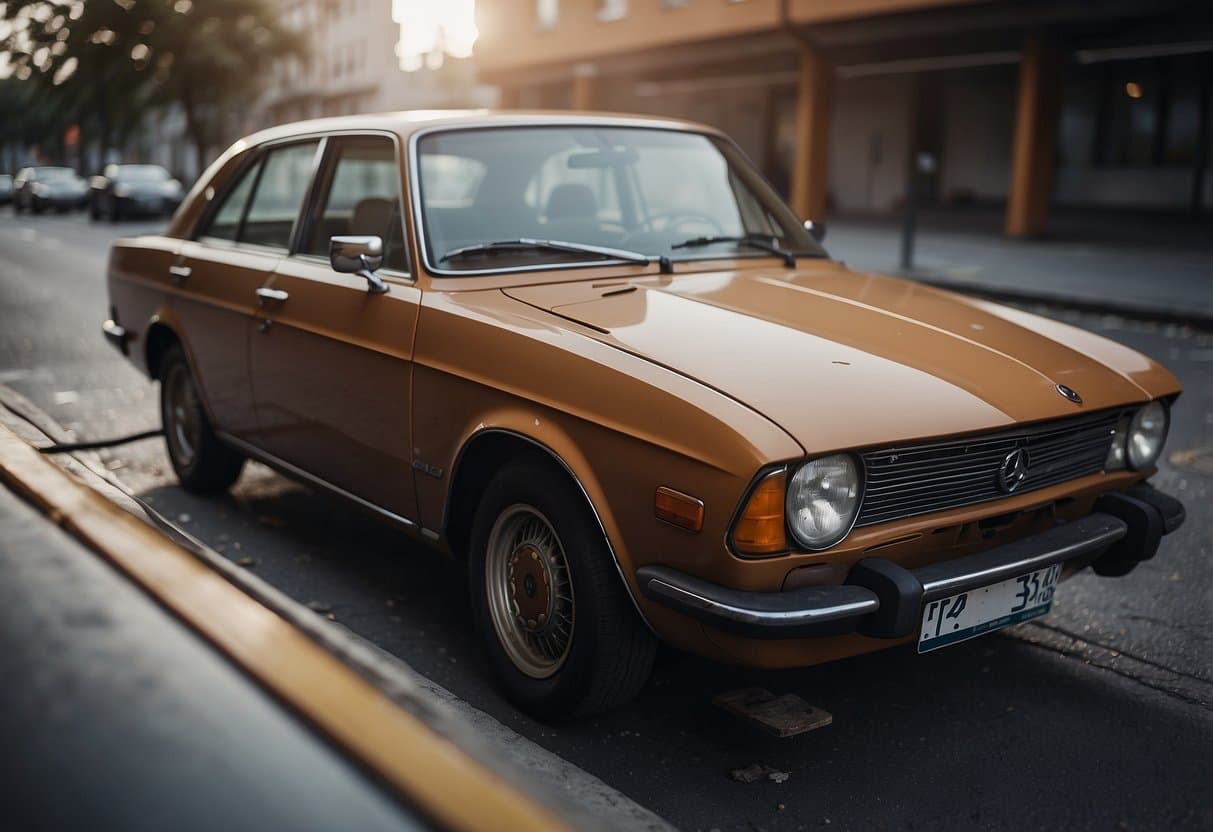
pixel 676 219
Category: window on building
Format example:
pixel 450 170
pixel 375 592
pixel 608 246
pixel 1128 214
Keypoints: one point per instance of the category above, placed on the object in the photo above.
pixel 547 12
pixel 612 9
pixel 1149 113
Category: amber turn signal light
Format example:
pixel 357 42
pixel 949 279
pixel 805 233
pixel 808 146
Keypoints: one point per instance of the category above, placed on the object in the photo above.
pixel 759 529
pixel 683 510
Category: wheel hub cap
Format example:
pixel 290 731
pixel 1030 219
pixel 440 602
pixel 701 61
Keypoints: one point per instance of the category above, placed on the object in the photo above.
pixel 530 587
pixel 530 591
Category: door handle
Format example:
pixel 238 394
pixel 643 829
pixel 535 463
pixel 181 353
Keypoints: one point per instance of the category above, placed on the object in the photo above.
pixel 264 294
pixel 180 272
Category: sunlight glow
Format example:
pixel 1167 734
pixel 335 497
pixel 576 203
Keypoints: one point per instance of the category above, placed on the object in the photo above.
pixel 433 29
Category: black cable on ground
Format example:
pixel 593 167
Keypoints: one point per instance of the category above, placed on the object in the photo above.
pixel 68 447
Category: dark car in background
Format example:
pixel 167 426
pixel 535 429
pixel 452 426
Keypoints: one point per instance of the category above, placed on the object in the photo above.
pixel 39 188
pixel 133 190
pixel 6 189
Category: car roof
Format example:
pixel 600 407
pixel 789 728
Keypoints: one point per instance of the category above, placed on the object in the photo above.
pixel 407 122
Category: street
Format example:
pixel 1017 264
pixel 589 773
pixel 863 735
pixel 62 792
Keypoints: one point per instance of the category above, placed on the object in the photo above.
pixel 1098 716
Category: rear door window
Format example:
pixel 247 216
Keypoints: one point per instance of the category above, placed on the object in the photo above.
pixel 225 222
pixel 278 196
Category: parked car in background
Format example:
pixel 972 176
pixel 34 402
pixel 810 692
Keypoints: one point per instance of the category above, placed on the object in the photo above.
pixel 133 190
pixel 41 188
pixel 6 188
pixel 601 361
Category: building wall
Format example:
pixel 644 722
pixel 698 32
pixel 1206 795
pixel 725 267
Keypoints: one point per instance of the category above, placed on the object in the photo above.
pixel 512 35
pixel 869 144
pixel 979 120
pixel 354 68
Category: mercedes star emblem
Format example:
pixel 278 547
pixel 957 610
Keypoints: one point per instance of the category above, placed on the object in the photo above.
pixel 1069 393
pixel 1013 471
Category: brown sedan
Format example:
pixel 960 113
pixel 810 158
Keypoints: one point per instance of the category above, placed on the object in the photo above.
pixel 601 361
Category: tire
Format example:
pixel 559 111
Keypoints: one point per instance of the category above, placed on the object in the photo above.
pixel 534 531
pixel 203 464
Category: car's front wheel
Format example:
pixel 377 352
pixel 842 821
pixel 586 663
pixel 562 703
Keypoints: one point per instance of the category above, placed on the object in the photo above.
pixel 203 464
pixel 560 629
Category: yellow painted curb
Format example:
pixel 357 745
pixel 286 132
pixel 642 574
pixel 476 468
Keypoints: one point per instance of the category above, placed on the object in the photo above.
pixel 429 772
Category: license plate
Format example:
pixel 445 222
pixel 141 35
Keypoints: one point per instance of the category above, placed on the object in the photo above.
pixel 979 611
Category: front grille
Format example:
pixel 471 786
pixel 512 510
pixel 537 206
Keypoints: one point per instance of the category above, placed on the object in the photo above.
pixel 918 479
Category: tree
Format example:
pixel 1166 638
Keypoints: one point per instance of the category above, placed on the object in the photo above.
pixel 105 63
pixel 215 62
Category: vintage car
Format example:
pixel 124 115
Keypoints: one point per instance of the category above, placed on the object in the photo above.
pixel 599 359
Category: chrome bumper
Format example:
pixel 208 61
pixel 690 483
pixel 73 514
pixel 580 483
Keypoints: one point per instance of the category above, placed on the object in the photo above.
pixel 884 600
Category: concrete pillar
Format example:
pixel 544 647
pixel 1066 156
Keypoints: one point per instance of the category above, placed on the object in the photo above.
pixel 1035 143
pixel 813 108
pixel 585 89
pixel 510 98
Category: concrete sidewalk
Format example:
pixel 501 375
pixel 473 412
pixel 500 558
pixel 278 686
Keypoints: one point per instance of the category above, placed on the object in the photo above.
pixel 1143 266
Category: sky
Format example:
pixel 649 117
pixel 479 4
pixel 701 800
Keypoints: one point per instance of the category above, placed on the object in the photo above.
pixel 428 28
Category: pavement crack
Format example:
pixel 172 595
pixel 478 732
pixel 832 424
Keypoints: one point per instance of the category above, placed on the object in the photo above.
pixel 1187 630
pixel 1127 654
pixel 1075 650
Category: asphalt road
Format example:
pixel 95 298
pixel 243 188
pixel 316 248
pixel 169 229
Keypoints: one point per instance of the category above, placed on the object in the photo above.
pixel 1099 716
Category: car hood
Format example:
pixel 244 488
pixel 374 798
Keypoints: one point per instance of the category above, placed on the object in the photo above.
pixel 842 359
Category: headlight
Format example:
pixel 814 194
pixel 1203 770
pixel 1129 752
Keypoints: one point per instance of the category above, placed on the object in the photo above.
pixel 121 191
pixel 823 500
pixel 39 190
pixel 1147 433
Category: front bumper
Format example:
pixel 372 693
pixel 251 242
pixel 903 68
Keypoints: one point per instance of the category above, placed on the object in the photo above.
pixel 884 600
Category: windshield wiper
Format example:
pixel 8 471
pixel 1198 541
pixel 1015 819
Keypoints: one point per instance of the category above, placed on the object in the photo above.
pixel 753 240
pixel 560 245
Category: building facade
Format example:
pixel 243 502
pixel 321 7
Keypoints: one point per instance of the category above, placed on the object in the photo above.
pixel 353 67
pixel 1028 104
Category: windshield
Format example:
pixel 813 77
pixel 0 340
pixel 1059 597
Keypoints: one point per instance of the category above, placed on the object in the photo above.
pixel 142 173
pixel 660 193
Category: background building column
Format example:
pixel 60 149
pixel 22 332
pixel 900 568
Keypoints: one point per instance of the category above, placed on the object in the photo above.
pixel 813 107
pixel 510 98
pixel 1035 143
pixel 585 87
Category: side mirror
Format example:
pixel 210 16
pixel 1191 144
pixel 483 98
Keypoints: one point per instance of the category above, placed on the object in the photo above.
pixel 359 255
pixel 817 229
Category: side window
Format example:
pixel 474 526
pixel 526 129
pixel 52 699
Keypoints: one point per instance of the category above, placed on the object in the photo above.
pixel 361 197
pixel 278 196
pixel 225 222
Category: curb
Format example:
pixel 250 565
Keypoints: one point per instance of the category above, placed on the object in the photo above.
pixel 1197 319
pixel 581 799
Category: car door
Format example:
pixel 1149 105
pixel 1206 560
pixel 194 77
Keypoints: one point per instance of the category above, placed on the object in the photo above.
pixel 331 361
pixel 219 272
